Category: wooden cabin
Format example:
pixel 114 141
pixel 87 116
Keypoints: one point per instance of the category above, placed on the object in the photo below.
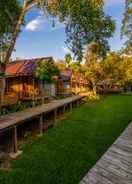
pixel 108 86
pixel 69 83
pixel 21 80
pixel 79 84
pixel 22 84
pixel 63 84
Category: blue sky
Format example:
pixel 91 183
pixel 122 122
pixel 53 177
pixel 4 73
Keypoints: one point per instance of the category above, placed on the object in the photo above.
pixel 39 39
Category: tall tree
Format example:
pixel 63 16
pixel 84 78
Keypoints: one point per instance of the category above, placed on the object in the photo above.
pixel 89 25
pixel 9 13
pixel 127 25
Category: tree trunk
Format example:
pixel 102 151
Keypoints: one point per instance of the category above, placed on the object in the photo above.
pixel 94 88
pixel 16 32
pixel 10 50
pixel 2 91
pixel 2 84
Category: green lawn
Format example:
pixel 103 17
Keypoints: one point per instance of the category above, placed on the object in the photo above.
pixel 66 152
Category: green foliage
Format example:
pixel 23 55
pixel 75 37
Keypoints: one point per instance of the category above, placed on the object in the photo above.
pixel 85 22
pixel 125 71
pixel 114 67
pixel 66 152
pixel 76 67
pixel 92 98
pixel 127 25
pixel 46 70
pixel 94 72
pixel 110 66
pixel 89 25
pixel 15 108
pixel 117 68
pixel 68 59
pixel 9 12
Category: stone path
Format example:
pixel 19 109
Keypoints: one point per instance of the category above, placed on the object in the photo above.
pixel 115 166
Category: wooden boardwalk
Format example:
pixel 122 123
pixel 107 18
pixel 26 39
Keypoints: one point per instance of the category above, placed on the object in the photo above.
pixel 18 117
pixel 115 166
pixel 12 121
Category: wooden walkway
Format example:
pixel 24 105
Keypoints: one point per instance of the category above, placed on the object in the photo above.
pixel 12 121
pixel 115 166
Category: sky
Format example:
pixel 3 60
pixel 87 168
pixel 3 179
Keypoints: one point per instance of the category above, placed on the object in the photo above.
pixel 38 38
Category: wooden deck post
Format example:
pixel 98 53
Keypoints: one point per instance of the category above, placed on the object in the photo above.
pixel 41 125
pixel 64 109
pixel 77 103
pixel 55 115
pixel 33 92
pixel 71 106
pixel 14 139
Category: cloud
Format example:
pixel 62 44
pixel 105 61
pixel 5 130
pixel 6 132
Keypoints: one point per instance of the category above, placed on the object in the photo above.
pixel 113 2
pixel 42 24
pixel 35 25
pixel 66 49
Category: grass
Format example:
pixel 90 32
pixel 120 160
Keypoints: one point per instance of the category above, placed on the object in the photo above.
pixel 66 152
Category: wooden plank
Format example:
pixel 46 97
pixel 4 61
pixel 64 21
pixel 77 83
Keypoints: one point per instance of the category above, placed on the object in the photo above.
pixel 9 121
pixel 115 166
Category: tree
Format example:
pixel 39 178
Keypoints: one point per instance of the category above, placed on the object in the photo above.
pixel 9 13
pixel 125 68
pixel 110 66
pixel 127 25
pixel 93 73
pixel 46 70
pixel 117 68
pixel 92 54
pixel 68 59
pixel 89 25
